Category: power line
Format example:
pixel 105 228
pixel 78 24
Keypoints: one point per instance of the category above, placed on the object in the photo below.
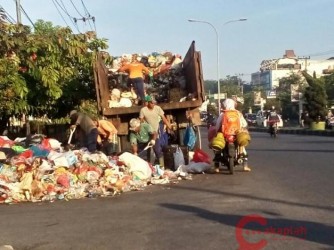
pixel 76 8
pixel 25 13
pixel 4 15
pixel 59 12
pixel 89 15
pixel 83 18
pixel 322 53
pixel 66 12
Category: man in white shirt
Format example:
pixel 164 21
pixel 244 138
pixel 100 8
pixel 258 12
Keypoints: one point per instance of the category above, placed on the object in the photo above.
pixel 153 114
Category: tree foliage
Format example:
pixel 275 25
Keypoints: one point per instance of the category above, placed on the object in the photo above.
pixel 316 97
pixel 48 71
pixel 329 87
pixel 283 92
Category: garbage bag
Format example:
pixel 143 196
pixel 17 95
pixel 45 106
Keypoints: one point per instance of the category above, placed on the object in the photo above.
pixel 178 158
pixel 201 156
pixel 138 167
pixel 189 137
pixel 197 167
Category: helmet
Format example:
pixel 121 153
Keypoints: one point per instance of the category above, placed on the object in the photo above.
pixel 229 104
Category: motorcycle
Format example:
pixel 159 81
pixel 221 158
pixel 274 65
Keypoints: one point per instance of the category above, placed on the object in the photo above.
pixel 231 155
pixel 273 128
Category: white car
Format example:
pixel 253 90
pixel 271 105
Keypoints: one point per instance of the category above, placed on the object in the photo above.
pixel 261 119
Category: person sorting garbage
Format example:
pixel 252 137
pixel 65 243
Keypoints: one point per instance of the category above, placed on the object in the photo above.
pixel 142 138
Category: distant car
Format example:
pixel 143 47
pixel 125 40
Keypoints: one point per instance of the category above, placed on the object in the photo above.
pixel 251 119
pixel 261 119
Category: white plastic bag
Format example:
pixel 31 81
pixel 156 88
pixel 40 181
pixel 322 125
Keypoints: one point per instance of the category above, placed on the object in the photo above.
pixel 138 167
pixel 178 158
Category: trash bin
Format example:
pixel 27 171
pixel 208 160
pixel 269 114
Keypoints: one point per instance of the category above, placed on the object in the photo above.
pixel 169 151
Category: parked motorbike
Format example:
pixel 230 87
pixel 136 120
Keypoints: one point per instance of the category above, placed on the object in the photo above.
pixel 230 156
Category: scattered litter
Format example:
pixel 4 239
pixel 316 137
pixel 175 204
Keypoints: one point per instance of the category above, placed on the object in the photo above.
pixel 44 172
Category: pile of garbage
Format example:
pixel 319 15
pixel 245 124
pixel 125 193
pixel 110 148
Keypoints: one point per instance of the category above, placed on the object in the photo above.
pixel 167 82
pixel 46 171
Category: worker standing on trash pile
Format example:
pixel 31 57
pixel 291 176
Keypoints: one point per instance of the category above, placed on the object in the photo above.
pixel 136 72
pixel 86 130
pixel 141 136
pixel 107 135
pixel 153 115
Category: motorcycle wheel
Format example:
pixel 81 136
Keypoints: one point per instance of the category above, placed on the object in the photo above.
pixel 231 165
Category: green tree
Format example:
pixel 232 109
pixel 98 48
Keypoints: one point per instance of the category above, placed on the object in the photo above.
pixel 54 67
pixel 329 87
pixel 316 97
pixel 14 90
pixel 230 85
pixel 283 91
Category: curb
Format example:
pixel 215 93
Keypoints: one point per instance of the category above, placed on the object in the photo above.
pixel 295 131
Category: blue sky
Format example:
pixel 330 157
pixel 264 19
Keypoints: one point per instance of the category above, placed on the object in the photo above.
pixel 145 26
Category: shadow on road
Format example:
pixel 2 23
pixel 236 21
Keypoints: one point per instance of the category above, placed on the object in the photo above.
pixel 255 198
pixel 311 231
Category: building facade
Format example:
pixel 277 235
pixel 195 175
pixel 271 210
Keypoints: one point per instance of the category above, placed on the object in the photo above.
pixel 271 71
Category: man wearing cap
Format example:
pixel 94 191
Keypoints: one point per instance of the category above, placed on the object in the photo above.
pixel 88 132
pixel 153 114
pixel 141 134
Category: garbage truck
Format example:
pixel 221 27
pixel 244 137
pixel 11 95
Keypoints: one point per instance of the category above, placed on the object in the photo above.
pixel 181 112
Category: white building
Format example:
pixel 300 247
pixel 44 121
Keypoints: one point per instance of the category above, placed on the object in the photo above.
pixel 274 69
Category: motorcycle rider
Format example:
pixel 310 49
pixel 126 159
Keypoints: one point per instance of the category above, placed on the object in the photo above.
pixel 230 104
pixel 272 118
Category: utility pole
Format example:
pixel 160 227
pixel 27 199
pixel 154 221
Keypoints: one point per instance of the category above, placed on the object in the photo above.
pixel 305 58
pixel 18 12
pixel 240 84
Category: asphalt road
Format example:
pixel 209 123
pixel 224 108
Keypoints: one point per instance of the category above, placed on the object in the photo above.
pixel 290 190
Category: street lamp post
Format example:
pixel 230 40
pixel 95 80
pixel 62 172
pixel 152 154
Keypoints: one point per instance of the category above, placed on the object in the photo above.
pixel 217 41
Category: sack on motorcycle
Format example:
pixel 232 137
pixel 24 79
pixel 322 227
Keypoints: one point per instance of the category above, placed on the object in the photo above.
pixel 243 138
pixel 218 142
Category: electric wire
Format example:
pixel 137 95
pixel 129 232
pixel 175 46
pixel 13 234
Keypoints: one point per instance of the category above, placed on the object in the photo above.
pixel 59 12
pixel 73 20
pixel 89 16
pixel 321 53
pixel 6 16
pixel 76 9
pixel 25 13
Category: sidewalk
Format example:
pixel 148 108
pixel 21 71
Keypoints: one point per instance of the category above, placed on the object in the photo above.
pixel 295 131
